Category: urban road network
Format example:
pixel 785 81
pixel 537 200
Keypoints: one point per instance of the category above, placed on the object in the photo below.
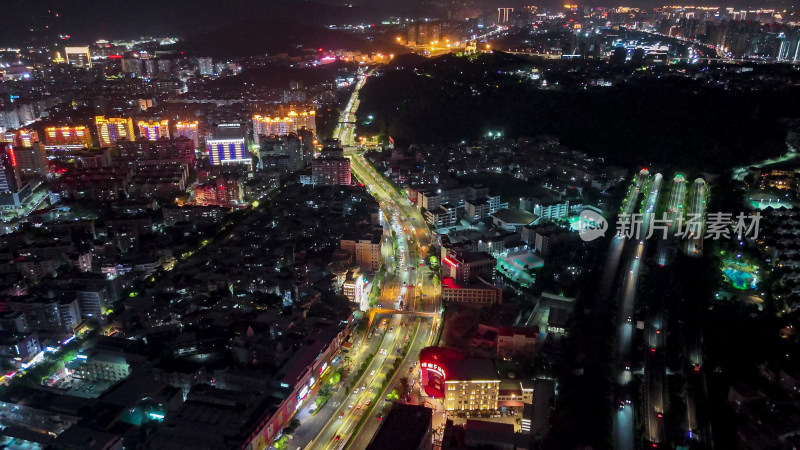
pixel 409 278
pixel 644 193
pixel 390 326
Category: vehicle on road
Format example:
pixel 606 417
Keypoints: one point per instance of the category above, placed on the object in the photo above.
pixel 341 415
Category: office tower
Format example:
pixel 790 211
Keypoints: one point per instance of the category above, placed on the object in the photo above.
pixel 153 130
pixel 9 174
pixel 113 129
pixel 227 151
pixel 205 66
pixel 78 56
pixel 331 168
pixel 67 137
pixel 188 130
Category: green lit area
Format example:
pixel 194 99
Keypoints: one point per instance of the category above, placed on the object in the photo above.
pixel 518 267
pixel 740 273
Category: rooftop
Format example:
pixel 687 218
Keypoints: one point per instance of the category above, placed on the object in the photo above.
pixel 471 369
pixel 405 427
pixel 514 216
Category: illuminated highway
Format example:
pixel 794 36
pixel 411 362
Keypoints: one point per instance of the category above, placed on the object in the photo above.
pixel 624 436
pixel 408 278
pixel 675 211
pixel 694 246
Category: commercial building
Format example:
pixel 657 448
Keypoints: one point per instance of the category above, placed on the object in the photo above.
pixel 470 385
pixel 354 288
pixel 331 168
pixel 467 267
pixel 10 180
pixel 366 250
pixel 188 130
pixel 407 427
pixel 113 129
pixel 292 122
pixel 228 151
pixel 78 57
pixel 152 130
pixel 476 293
pixel 67 137
pixel 21 138
pixel 464 384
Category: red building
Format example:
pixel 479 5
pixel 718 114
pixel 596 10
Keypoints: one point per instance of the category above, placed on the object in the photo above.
pixel 331 168
pixel 432 363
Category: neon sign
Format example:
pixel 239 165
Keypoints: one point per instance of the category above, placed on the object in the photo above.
pixel 433 367
pixel 449 261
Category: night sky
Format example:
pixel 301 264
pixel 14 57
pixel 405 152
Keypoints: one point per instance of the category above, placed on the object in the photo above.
pixel 88 20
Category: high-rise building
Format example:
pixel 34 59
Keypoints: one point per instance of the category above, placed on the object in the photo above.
pixel 78 56
pixel 150 67
pixel 227 151
pixel 331 168
pixel 113 129
pixel 29 152
pixel 132 66
pixel 153 130
pixel 9 171
pixel 205 66
pixel 61 138
pixel 188 130
pixel 21 138
pixel 291 123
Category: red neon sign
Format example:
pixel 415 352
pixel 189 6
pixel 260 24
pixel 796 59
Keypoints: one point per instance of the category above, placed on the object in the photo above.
pixel 448 261
pixel 434 367
pixel 12 156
